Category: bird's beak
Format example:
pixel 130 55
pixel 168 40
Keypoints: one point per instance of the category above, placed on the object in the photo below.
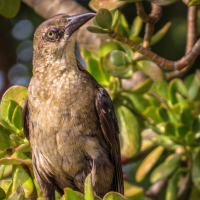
pixel 76 21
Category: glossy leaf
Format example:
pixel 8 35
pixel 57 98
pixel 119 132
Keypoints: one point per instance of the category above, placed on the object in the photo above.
pixel 16 139
pixel 141 89
pixel 94 29
pixel 89 193
pixel 194 3
pixel 108 4
pixel 71 195
pixel 133 192
pixel 11 107
pixel 108 46
pixel 151 69
pixel 20 176
pixel 5 141
pixel 9 8
pixel 17 117
pixel 23 148
pixel 130 132
pixel 114 196
pixel 110 67
pixel 15 93
pixel 172 188
pixel 93 68
pixel 148 163
pixel 2 194
pixel 104 18
pixel 19 194
pixel 136 27
pixel 166 168
pixel 176 85
pixel 115 20
pixel 192 85
pixel 161 33
pixel 6 186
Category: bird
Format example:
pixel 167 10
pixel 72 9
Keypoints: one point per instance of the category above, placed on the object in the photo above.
pixel 68 117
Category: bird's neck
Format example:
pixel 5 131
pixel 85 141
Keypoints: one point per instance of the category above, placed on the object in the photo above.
pixel 51 67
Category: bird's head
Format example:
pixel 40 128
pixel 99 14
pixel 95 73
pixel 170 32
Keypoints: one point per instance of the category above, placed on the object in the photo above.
pixel 56 36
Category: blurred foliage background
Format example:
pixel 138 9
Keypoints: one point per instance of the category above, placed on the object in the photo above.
pixel 159 120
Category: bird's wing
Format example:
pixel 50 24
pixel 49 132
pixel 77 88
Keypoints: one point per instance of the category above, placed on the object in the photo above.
pixel 110 131
pixel 25 120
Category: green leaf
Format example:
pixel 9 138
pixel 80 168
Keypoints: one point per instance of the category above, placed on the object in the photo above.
pixel 121 30
pixel 11 107
pixel 104 18
pixel 192 85
pixel 182 130
pixel 108 4
pixel 2 194
pixel 23 148
pixel 170 129
pixel 97 30
pixel 141 89
pixel 17 139
pixel 151 69
pixel 136 27
pixel 186 116
pixel 18 194
pixel 20 176
pixel 176 86
pixel 6 186
pixel 172 188
pixel 2 168
pixel 71 195
pixel 110 67
pixel 17 117
pixel 89 193
pixel 160 88
pixel 114 196
pixel 133 192
pixel 161 33
pixel 165 169
pixel 115 20
pixel 130 138
pixel 15 93
pixel 163 113
pixel 93 68
pixel 196 169
pixel 148 163
pixel 9 8
pixel 194 3
pixel 151 113
pixel 5 141
pixel 108 46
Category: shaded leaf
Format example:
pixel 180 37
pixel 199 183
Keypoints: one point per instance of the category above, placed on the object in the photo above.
pixel 151 69
pixel 194 3
pixel 113 196
pixel 20 176
pixel 2 194
pixel 136 27
pixel 186 116
pixel 18 194
pixel 23 148
pixel 130 138
pixel 166 168
pixel 160 88
pixel 148 163
pixel 115 19
pixel 9 8
pixel 17 117
pixel 151 113
pixel 176 86
pixel 196 170
pixel 15 93
pixel 97 30
pixel 170 129
pixel 172 188
pixel 163 113
pixel 161 33
pixel 89 193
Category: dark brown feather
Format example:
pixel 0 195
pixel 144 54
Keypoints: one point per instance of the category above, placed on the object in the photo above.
pixel 110 130
pixel 25 120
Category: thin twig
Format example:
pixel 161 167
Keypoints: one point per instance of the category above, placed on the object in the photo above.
pixel 191 39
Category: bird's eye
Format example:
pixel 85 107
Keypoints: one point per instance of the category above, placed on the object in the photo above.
pixel 50 34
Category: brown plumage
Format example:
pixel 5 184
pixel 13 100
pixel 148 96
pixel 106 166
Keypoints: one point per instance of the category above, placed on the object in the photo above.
pixel 68 117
